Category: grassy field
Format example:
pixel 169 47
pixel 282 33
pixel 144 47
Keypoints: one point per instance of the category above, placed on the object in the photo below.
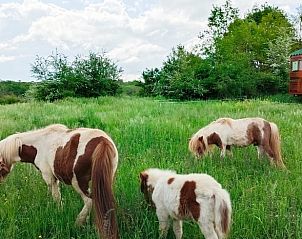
pixel 267 202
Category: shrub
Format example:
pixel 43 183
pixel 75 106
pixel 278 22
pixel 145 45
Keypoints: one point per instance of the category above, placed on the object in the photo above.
pixel 92 76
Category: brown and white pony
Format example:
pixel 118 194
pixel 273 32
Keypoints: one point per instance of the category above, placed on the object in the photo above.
pixel 198 197
pixel 72 156
pixel 226 132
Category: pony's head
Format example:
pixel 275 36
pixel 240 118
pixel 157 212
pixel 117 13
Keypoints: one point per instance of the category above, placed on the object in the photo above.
pixel 148 180
pixel 198 145
pixel 4 169
pixel 146 188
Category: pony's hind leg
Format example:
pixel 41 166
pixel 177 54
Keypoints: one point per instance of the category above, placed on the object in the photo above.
pixel 83 215
pixel 208 230
pixel 177 228
pixel 206 220
pixel 269 152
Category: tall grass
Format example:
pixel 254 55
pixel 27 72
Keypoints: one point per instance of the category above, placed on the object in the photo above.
pixel 267 202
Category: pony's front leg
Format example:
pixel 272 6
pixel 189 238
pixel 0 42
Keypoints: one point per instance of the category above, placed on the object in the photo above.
pixel 53 186
pixel 223 151
pixel 229 151
pixel 163 219
pixel 55 190
pixel 260 151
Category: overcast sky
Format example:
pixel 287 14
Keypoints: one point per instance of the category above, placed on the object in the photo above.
pixel 136 34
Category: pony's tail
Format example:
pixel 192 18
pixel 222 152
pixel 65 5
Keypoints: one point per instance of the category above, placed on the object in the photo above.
pixel 275 145
pixel 222 213
pixel 102 176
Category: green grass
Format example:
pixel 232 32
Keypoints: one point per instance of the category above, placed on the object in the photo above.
pixel 267 202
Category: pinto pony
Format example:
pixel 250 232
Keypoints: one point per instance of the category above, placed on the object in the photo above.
pixel 193 196
pixel 226 132
pixel 72 156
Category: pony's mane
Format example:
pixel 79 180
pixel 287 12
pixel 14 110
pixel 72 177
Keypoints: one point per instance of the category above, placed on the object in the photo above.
pixel 157 173
pixel 53 128
pixel 9 148
pixel 48 129
pixel 227 121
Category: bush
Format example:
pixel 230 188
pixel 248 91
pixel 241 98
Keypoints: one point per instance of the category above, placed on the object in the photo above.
pixel 10 99
pixel 95 75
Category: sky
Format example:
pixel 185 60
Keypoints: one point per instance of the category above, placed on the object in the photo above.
pixel 135 34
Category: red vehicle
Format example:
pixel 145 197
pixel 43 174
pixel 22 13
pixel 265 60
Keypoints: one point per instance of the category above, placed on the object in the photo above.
pixel 295 84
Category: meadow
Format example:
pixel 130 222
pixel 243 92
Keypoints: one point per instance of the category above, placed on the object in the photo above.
pixel 267 202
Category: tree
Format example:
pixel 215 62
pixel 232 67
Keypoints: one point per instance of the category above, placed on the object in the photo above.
pixel 258 46
pixel 151 78
pixel 92 76
pixel 96 76
pixel 179 76
pixel 218 22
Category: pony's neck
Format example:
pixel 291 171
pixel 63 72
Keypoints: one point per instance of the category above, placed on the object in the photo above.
pixel 157 174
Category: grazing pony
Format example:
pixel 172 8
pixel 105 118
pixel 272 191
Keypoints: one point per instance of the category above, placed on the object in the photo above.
pixel 226 132
pixel 72 156
pixel 193 196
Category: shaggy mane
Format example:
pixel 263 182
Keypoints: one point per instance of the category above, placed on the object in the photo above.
pixel 227 121
pixel 9 148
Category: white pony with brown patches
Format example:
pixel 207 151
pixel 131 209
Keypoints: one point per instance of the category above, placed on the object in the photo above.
pixel 227 132
pixel 193 196
pixel 72 156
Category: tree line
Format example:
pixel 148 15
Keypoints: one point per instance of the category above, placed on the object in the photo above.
pixel 237 57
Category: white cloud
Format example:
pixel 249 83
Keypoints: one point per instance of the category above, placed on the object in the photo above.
pixel 137 34
pixel 4 58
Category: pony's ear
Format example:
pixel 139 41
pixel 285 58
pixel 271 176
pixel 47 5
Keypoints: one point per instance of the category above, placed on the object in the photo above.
pixel 200 138
pixel 143 176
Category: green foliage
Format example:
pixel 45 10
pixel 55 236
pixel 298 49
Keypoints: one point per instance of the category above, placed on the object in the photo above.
pixel 10 99
pixel 92 76
pixel 220 19
pixel 131 88
pixel 245 57
pixel 266 201
pixel 179 78
pixel 13 92
pixel 14 88
pixel 218 23
pixel 151 78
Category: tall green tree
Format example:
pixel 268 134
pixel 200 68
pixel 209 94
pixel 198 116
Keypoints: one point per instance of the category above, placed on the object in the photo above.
pixel 258 46
pixel 218 23
pixel 178 78
pixel 151 78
